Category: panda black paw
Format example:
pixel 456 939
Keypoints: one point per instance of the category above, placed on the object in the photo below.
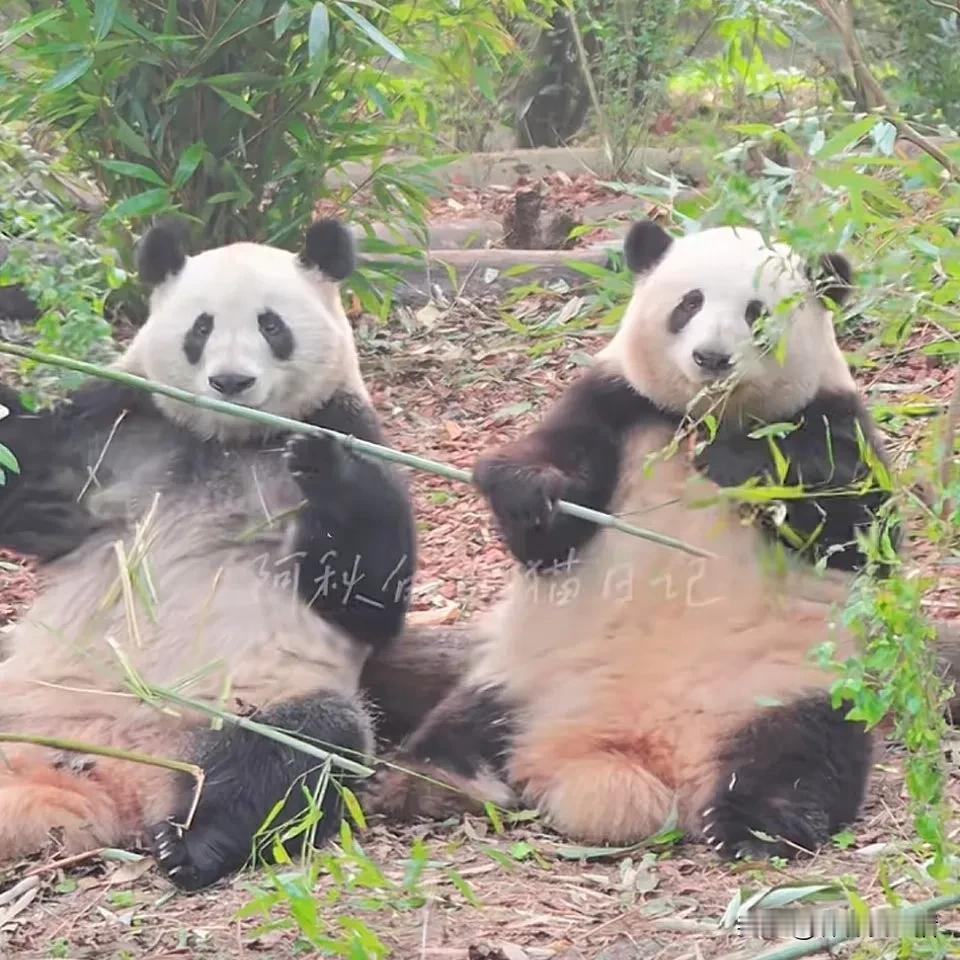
pixel 189 860
pixel 760 828
pixel 312 458
pixel 523 498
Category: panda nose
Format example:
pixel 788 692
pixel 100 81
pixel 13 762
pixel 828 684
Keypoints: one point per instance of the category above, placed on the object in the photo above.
pixel 230 384
pixel 712 360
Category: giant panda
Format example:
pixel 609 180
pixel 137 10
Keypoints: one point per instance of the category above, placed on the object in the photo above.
pixel 623 686
pixel 243 567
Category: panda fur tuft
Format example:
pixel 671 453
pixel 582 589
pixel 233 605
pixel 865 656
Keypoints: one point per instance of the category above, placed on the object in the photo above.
pixel 266 568
pixel 620 683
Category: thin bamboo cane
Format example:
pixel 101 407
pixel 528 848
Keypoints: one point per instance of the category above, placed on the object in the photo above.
pixel 351 442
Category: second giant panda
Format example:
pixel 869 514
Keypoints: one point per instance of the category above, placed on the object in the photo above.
pixel 239 565
pixel 623 685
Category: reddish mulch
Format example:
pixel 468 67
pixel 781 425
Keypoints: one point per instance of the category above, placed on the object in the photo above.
pixel 558 188
pixel 463 203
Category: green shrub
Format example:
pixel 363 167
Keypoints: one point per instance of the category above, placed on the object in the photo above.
pixel 234 113
pixel 926 40
pixel 66 275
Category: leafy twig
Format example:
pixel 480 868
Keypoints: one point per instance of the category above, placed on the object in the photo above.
pixel 840 16
pixel 264 730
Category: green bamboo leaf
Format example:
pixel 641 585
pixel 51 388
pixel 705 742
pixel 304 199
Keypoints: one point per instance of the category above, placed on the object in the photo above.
pixel 8 461
pixel 104 12
pixel 189 161
pixel 574 852
pixel 22 27
pixel 142 205
pixel 463 888
pixel 282 21
pixel 353 807
pixel 846 137
pixel 388 46
pixel 318 35
pixel 131 139
pixel 236 101
pixel 136 170
pixel 223 197
pixel 70 74
pixel 783 896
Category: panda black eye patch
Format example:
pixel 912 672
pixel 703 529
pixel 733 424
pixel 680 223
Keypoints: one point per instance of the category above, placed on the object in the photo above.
pixel 687 308
pixel 277 334
pixel 755 310
pixel 196 337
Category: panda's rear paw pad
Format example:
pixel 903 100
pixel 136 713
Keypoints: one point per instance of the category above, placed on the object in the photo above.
pixel 171 848
pixel 309 455
pixel 748 832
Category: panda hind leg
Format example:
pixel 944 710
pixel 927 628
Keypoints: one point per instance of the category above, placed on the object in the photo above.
pixel 452 764
pixel 83 808
pixel 796 774
pixel 247 776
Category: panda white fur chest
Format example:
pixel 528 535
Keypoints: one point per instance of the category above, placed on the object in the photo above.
pixel 621 682
pixel 244 567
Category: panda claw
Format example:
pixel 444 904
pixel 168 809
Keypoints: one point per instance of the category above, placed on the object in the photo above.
pixel 706 813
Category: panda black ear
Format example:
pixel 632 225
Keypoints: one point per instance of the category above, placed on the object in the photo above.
pixel 645 245
pixel 160 253
pixel 834 278
pixel 328 246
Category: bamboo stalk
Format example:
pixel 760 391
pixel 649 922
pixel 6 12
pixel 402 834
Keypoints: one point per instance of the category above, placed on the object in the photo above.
pixel 271 733
pixel 809 947
pixel 350 442
pixel 74 746
pixel 115 753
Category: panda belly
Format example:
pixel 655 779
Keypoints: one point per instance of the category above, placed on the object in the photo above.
pixel 228 616
pixel 222 614
pixel 628 678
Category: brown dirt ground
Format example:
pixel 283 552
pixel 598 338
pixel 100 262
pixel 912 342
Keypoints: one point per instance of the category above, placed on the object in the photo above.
pixel 449 385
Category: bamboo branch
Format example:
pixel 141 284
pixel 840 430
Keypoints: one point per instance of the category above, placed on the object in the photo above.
pixel 115 753
pixel 350 442
pixel 809 947
pixel 271 733
pixel 953 8
pixel 584 59
pixel 840 16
